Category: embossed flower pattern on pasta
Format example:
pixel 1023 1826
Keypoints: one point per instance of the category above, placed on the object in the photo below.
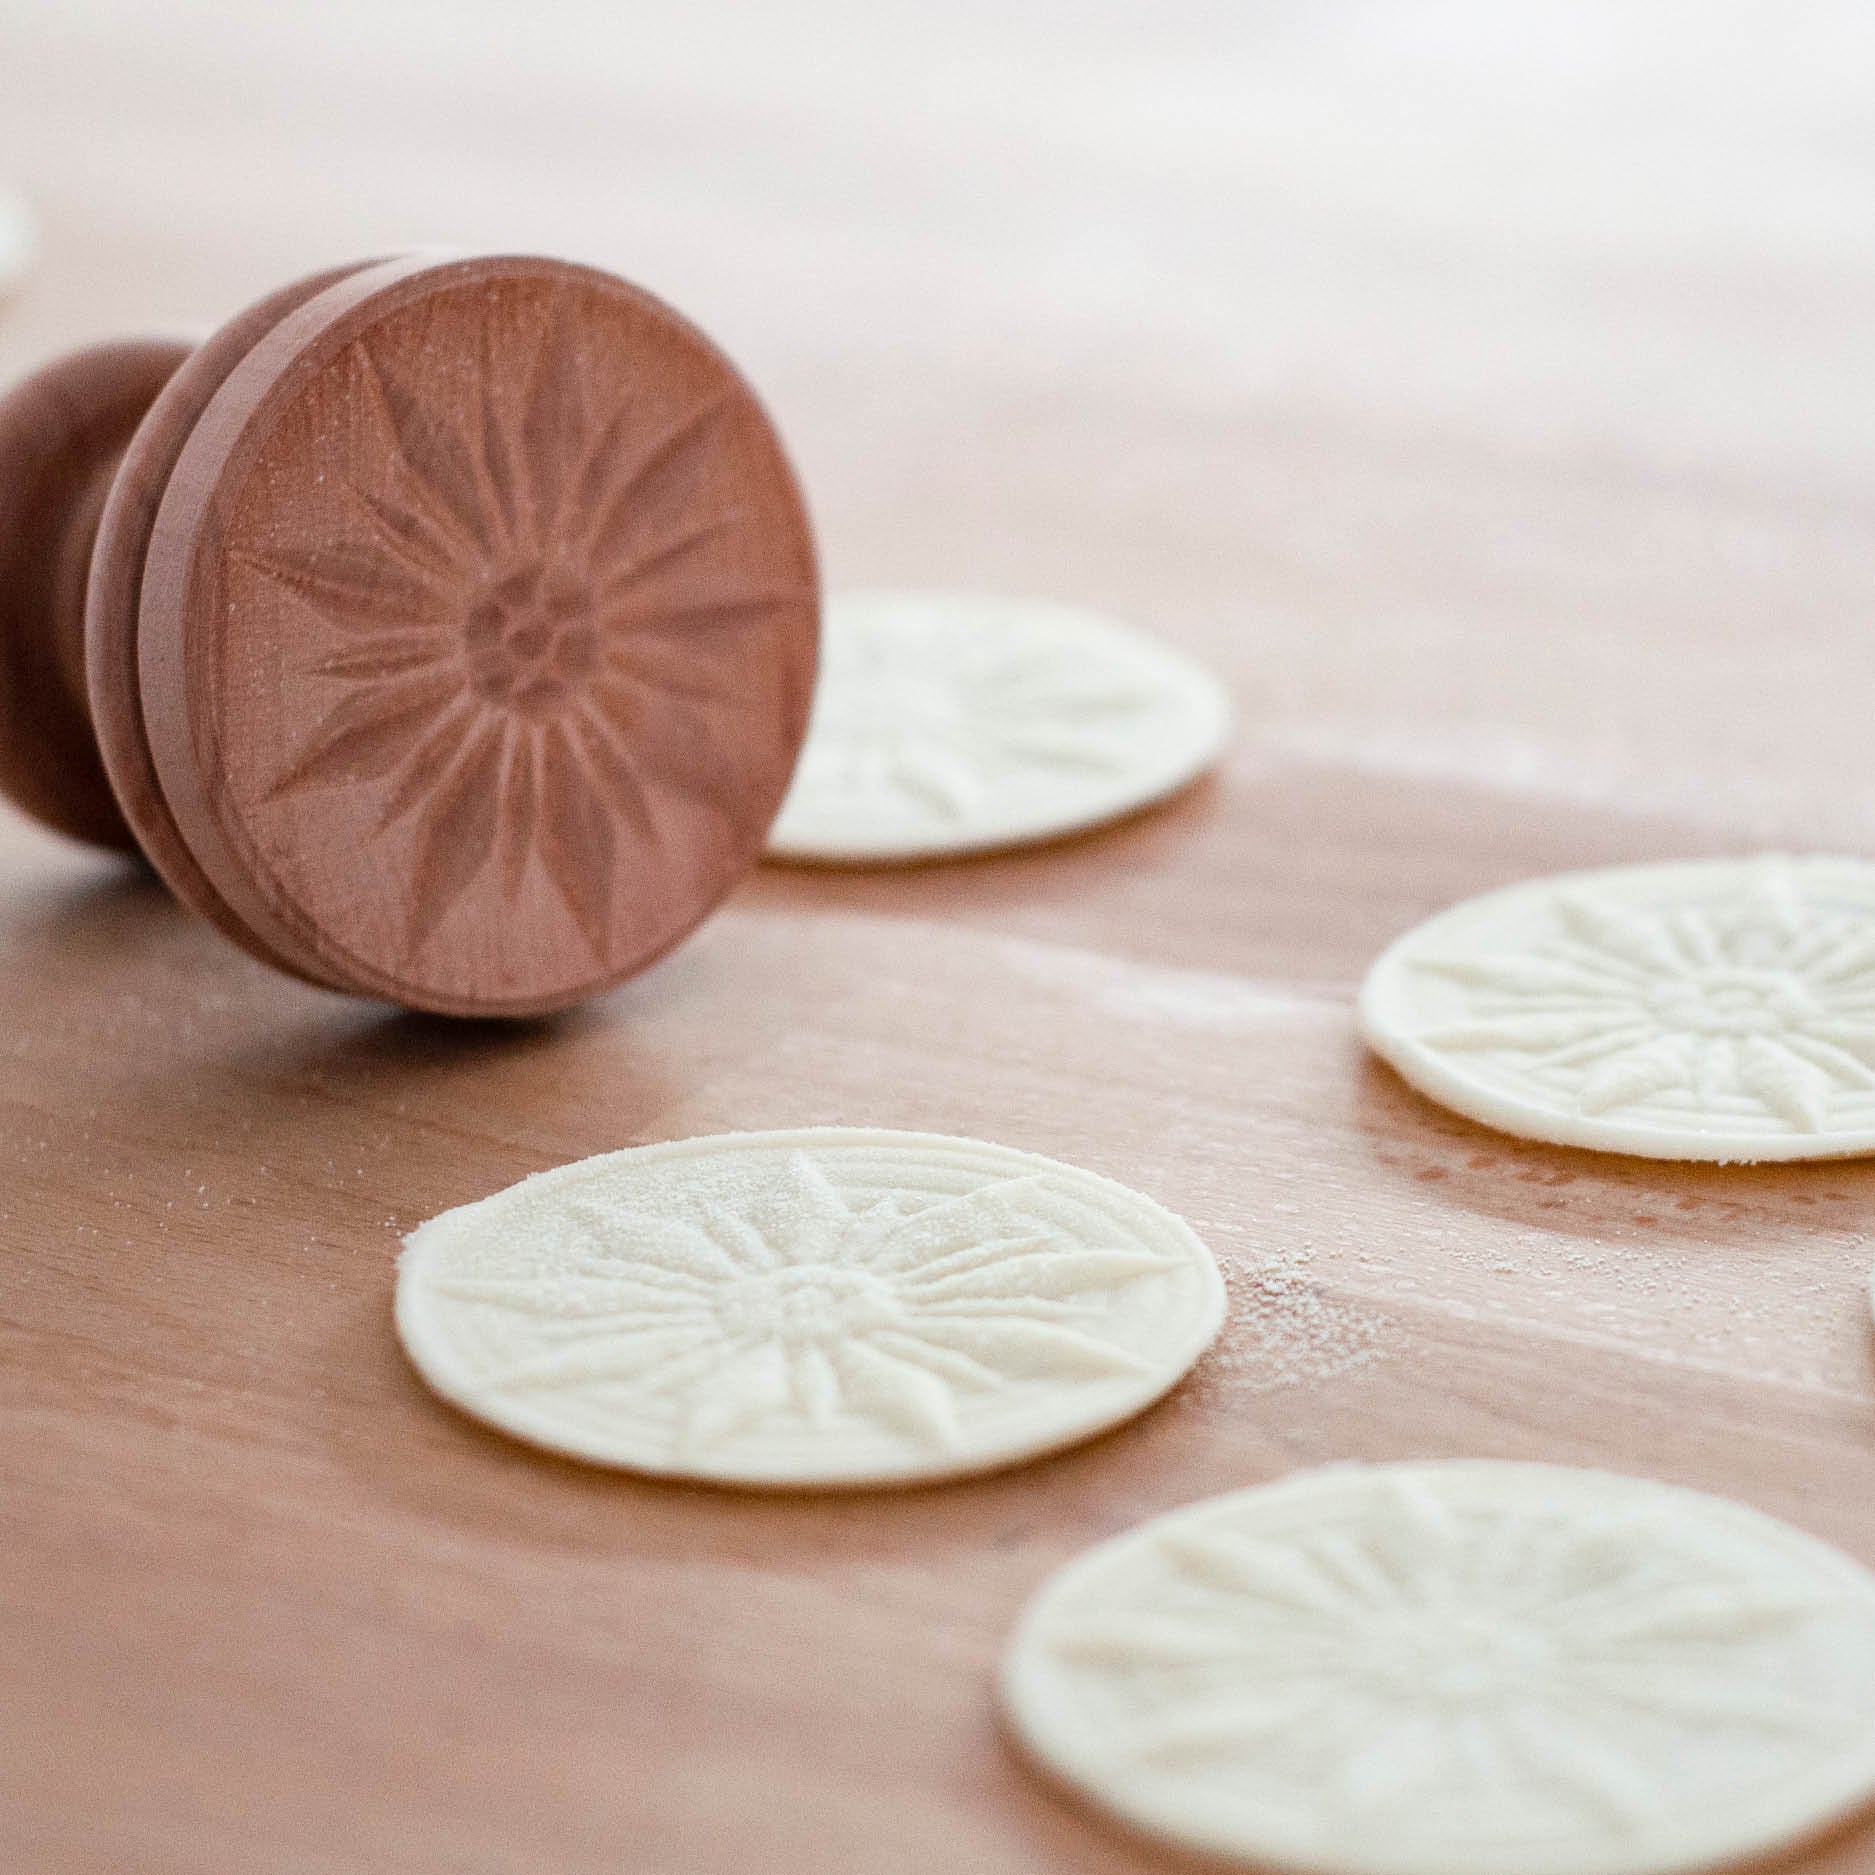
pixel 905 712
pixel 949 722
pixel 1458 1667
pixel 1716 1009
pixel 522 625
pixel 801 1304
pixel 835 1305
pixel 1421 1645
pixel 1764 996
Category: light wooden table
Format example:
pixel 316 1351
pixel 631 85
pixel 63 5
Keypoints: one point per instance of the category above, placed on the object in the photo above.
pixel 1485 390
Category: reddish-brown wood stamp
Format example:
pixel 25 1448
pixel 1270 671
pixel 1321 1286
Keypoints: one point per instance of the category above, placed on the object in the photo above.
pixel 450 630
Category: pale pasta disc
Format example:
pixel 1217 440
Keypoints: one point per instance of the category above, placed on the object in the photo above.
pixel 948 723
pixel 1704 1009
pixel 1464 1668
pixel 828 1307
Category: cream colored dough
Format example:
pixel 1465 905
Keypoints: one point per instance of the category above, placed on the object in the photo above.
pixel 947 723
pixel 1704 1009
pixel 828 1307
pixel 1459 1668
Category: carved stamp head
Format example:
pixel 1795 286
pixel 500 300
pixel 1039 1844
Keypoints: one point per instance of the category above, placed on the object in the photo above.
pixel 452 631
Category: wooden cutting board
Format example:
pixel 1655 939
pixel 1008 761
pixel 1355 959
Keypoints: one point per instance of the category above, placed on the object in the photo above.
pixel 1493 412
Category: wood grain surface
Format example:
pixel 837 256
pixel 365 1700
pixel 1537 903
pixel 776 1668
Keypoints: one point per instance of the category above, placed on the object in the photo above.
pixel 1485 392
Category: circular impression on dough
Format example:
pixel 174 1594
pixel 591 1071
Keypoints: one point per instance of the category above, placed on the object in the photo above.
pixel 1460 1668
pixel 19 238
pixel 946 723
pixel 829 1307
pixel 1704 1009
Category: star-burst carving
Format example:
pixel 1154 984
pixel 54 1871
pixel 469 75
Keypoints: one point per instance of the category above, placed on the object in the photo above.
pixel 794 1309
pixel 530 625
pixel 1761 1005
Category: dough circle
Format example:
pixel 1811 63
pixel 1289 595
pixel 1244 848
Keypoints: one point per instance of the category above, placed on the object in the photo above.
pixel 835 1306
pixel 1458 1668
pixel 19 239
pixel 950 723
pixel 1703 1009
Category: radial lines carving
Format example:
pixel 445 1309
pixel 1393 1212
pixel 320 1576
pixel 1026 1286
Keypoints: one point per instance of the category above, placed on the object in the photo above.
pixel 525 619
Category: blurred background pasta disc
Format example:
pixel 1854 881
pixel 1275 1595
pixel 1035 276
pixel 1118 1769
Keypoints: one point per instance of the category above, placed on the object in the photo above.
pixel 948 723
